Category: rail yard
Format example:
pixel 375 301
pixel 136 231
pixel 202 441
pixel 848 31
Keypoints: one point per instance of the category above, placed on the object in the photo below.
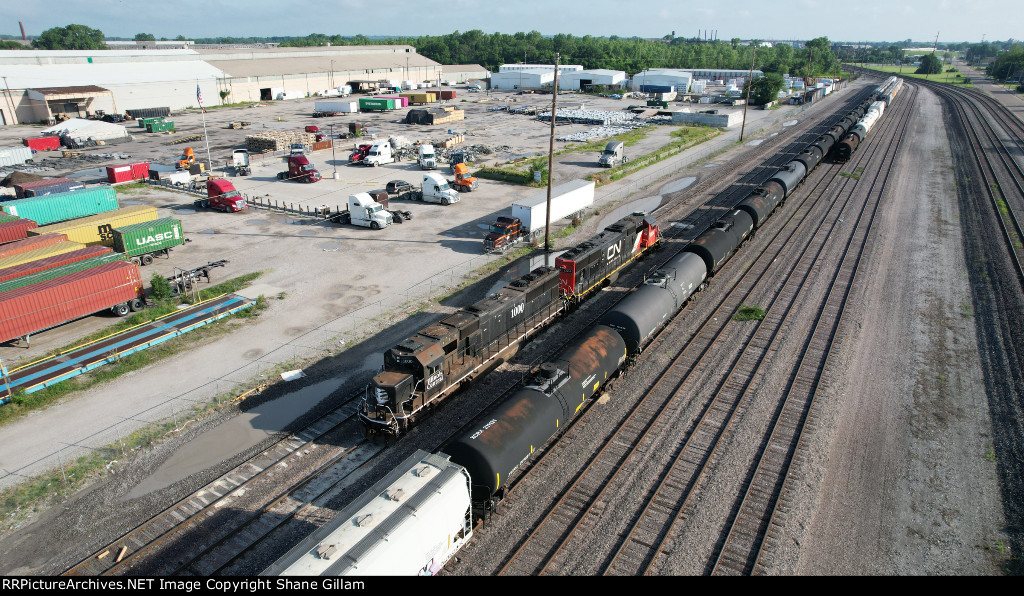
pixel 886 283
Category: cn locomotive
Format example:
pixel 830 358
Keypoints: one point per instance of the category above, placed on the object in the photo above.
pixel 501 443
pixel 423 370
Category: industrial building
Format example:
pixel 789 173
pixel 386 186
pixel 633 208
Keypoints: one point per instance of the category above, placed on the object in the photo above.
pixel 571 77
pixel 562 68
pixel 42 84
pixel 583 79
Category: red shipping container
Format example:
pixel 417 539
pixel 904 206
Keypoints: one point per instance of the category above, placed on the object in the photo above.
pixel 447 95
pixel 19 246
pixel 49 303
pixel 42 143
pixel 21 188
pixel 16 229
pixel 128 172
pixel 55 261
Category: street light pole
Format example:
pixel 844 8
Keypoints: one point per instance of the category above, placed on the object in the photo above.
pixel 334 155
pixel 750 84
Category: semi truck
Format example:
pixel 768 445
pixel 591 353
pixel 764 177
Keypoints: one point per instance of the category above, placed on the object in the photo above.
pixel 300 170
pixel 221 194
pixel 463 181
pixel 504 233
pixel 613 155
pixel 364 211
pixel 427 157
pixel 240 161
pixel 359 154
pixel 379 154
pixel 433 189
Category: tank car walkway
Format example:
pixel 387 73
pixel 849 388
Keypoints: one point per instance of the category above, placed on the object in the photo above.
pixel 43 373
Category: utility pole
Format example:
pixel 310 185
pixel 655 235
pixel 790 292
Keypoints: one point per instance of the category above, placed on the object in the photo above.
pixel 551 155
pixel 750 85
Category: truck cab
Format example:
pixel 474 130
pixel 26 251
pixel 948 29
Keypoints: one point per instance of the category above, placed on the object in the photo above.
pixel 359 154
pixel 240 161
pixel 186 159
pixel 364 211
pixel 300 170
pixel 379 154
pixel 463 181
pixel 435 189
pixel 455 159
pixel 298 149
pixel 613 155
pixel 427 157
pixel 503 233
pixel 221 194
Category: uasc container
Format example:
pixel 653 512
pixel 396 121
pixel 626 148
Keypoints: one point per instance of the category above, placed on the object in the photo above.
pixel 64 206
pixel 30 309
pixel 99 229
pixel 144 239
pixel 27 274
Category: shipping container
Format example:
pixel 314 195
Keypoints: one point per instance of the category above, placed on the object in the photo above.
pixel 34 308
pixel 149 112
pixel 14 156
pixel 174 177
pixel 400 101
pixel 39 253
pixel 64 206
pixel 16 229
pixel 566 200
pixel 447 95
pixel 336 106
pixel 27 274
pixel 99 229
pixel 162 126
pixel 373 103
pixel 127 173
pixel 159 235
pixel 7 217
pixel 321 145
pixel 144 121
pixel 42 143
pixel 30 243
pixel 46 186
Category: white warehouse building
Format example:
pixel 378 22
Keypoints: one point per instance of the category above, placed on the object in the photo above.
pixel 517 67
pixel 680 79
pixel 581 79
pixel 523 79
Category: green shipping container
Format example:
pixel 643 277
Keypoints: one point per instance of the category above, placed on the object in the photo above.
pixel 7 217
pixel 63 206
pixel 369 103
pixel 162 126
pixel 150 236
pixel 34 278
pixel 143 122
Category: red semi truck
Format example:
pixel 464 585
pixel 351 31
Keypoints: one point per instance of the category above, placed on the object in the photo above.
pixel 221 194
pixel 300 170
pixel 115 286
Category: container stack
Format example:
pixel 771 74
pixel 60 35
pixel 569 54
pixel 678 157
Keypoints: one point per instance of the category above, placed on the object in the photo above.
pixel 46 186
pixel 63 206
pixel 98 229
pixel 277 140
pixel 32 272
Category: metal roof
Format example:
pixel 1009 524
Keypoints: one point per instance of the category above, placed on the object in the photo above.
pixel 80 90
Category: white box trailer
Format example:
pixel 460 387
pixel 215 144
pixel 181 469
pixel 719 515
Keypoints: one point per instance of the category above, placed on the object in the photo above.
pixel 336 106
pixel 409 523
pixel 566 199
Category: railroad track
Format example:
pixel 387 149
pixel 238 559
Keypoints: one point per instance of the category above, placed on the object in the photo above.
pixel 741 549
pixel 204 541
pixel 543 547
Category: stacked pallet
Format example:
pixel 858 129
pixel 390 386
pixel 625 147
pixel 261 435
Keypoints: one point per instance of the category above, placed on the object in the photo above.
pixel 453 141
pixel 278 140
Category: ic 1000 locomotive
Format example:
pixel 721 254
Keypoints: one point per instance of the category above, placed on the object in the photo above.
pixel 424 369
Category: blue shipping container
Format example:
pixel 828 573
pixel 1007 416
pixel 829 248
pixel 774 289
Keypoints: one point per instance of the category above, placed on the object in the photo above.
pixel 53 188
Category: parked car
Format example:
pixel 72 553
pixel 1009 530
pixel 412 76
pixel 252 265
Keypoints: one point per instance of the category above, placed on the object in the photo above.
pixel 397 187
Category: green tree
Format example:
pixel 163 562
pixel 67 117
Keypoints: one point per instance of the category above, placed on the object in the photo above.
pixel 72 37
pixel 145 37
pixel 764 88
pixel 11 45
pixel 160 288
pixel 930 64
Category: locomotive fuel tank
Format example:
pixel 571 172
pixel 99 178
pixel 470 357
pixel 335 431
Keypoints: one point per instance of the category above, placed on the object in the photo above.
pixel 493 450
pixel 644 311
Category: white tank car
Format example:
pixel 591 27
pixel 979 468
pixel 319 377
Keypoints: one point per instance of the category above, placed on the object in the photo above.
pixel 409 523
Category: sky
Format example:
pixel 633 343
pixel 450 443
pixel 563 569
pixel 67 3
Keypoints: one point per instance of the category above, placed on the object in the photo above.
pixel 872 20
